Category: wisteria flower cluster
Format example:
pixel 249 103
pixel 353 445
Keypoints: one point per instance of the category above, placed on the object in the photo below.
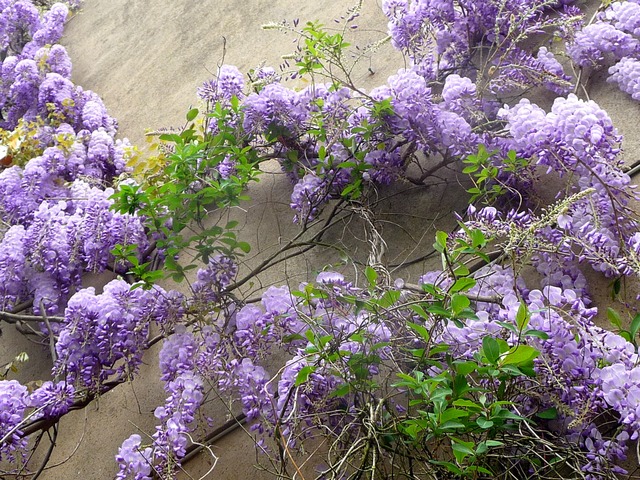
pixel 63 240
pixel 440 37
pixel 105 335
pixel 612 41
pixel 577 138
pixel 59 156
pixel 54 203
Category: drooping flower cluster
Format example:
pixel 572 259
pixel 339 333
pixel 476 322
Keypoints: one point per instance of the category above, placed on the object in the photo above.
pixel 35 75
pixel 169 442
pixel 229 83
pixel 13 404
pixel 439 37
pixel 24 29
pixel 577 138
pixel 104 336
pixel 210 283
pixel 612 41
pixel 176 416
pixel 626 73
pixel 53 400
pixel 134 460
pixel 12 266
pixel 64 224
pixel 64 239
pixel 17 406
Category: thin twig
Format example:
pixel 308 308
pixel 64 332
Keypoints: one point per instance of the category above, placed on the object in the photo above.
pixel 47 456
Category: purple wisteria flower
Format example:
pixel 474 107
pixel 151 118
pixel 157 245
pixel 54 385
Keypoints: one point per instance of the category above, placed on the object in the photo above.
pixel 307 197
pixel 53 399
pixel 13 405
pixel 19 20
pixel 134 460
pixel 56 59
pixel 626 73
pixel 104 335
pixel 256 394
pixel 178 413
pixel 227 167
pixel 386 167
pixel 229 83
pixel 275 108
pixel 211 281
pixel 600 43
pixel 178 354
pixel 12 267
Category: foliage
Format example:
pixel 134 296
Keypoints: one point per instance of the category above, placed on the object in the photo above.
pixel 196 179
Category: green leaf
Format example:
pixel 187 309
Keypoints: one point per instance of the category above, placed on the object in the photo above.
pixel 471 405
pixel 422 331
pixel 537 333
pixel 462 449
pixel 484 423
pixel 465 368
pixel 491 349
pixel 171 137
pixel 449 466
pixel 548 414
pixel 462 285
pixel 614 318
pixel 371 275
pixel 408 379
pixel 459 303
pixel 244 246
pixel 232 224
pixel 635 326
pixel 341 391
pixel 192 114
pixel 522 317
pixel 451 414
pixel 234 102
pixel 504 346
pixel 477 238
pixel 520 355
pixel 493 443
pixel 509 326
pixel 451 425
pixel 460 386
pixel 441 241
pixel 292 337
pixel 432 290
pixel 389 298
pixel 420 311
pixel 439 310
pixel 505 414
pixel 303 374
pixel 461 271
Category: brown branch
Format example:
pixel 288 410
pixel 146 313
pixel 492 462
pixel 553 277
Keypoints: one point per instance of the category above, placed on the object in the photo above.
pixel 15 318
